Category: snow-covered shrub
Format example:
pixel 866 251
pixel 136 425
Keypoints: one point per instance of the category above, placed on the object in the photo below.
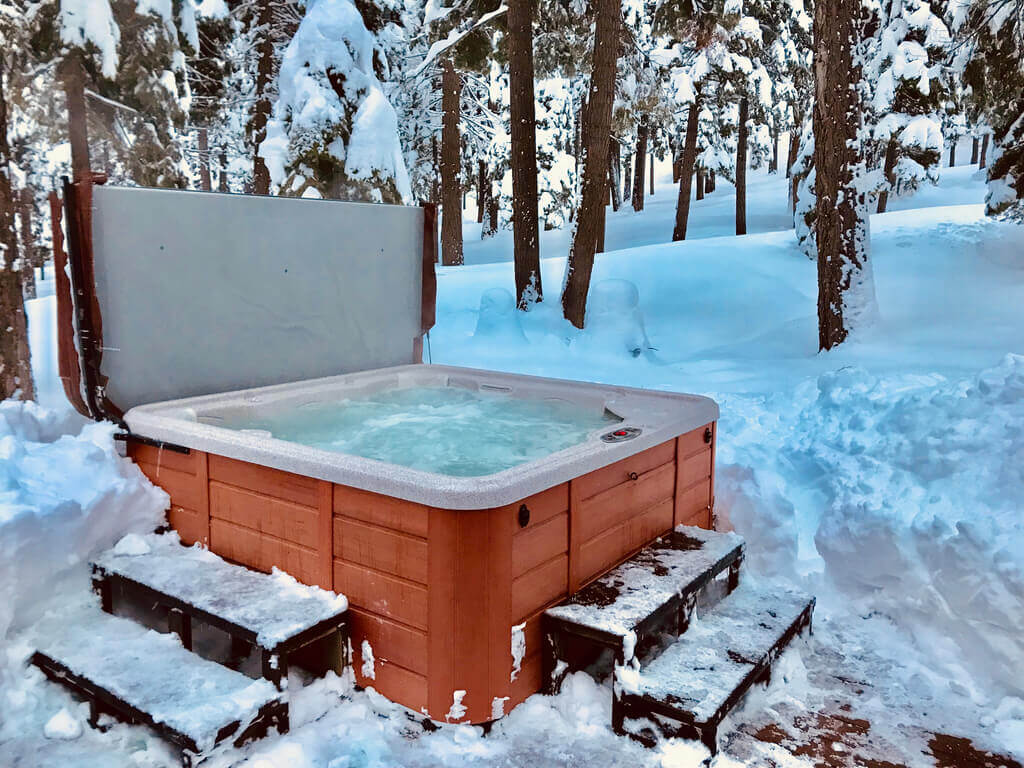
pixel 614 321
pixel 498 320
pixel 333 132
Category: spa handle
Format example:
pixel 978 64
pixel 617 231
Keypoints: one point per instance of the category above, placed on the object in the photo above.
pixel 633 476
pixel 524 515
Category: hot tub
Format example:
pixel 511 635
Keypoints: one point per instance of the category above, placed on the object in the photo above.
pixel 451 506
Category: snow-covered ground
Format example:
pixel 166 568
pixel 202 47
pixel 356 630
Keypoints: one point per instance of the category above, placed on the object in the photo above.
pixel 886 476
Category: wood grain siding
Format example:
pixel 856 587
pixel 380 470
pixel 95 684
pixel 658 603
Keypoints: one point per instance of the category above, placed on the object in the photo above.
pixel 380 564
pixel 615 510
pixel 184 477
pixel 265 518
pixel 694 468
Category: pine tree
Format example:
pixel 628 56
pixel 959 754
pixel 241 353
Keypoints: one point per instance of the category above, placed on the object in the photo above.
pixel 845 287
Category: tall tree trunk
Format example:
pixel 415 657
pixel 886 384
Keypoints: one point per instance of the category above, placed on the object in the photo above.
pixel 700 182
pixel 627 178
pixel 952 151
pixel 205 182
pixel 435 187
pixel 261 104
pixel 15 363
pixel 984 151
pixel 686 170
pixel 222 184
pixel 711 180
pixel 890 164
pixel 773 165
pixel 652 174
pixel 641 165
pixel 451 195
pixel 490 226
pixel 482 184
pixel 741 170
pixel 613 173
pixel 845 291
pixel 601 228
pixel 78 130
pixel 975 146
pixel 522 110
pixel 793 146
pixel 28 260
pixel 597 130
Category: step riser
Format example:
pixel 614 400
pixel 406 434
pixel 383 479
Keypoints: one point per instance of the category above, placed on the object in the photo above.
pixel 644 719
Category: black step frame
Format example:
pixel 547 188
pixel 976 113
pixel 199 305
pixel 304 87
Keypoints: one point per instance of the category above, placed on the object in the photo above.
pixel 634 707
pixel 101 701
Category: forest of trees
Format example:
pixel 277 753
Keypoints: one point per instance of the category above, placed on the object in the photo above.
pixel 548 112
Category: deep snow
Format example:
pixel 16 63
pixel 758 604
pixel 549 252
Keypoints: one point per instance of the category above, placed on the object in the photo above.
pixel 886 477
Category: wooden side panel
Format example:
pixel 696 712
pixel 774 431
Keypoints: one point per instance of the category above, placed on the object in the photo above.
pixel 386 595
pixel 694 471
pixel 262 552
pixel 265 514
pixel 381 549
pixel 385 511
pixel 616 510
pixel 270 482
pixel 184 477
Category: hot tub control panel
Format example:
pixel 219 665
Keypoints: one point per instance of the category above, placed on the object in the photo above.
pixel 621 434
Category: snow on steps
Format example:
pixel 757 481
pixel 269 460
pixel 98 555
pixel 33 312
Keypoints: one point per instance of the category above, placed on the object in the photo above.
pixel 144 676
pixel 272 611
pixel 653 591
pixel 689 688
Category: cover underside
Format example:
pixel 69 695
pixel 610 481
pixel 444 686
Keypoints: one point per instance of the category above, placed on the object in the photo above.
pixel 203 292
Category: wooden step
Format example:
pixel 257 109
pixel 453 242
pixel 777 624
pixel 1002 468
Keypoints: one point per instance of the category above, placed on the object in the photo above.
pixel 272 612
pixel 146 677
pixel 651 593
pixel 696 681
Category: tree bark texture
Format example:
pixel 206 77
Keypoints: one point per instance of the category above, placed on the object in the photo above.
pixel 975 146
pixel 522 110
pixel 597 129
pixel 451 195
pixel 711 181
pixel 261 104
pixel 15 362
pixel 890 165
pixel 841 229
pixel 78 129
pixel 700 182
pixel 741 170
pixel 205 181
pixel 613 173
pixel 686 171
pixel 627 178
pixel 28 256
pixel 773 165
pixel 952 151
pixel 482 184
pixel 641 165
pixel 984 151
pixel 222 184
pixel 652 173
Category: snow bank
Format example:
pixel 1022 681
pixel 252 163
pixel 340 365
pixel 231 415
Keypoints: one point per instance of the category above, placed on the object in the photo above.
pixel 65 493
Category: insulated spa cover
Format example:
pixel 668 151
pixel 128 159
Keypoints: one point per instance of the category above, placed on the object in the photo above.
pixel 178 293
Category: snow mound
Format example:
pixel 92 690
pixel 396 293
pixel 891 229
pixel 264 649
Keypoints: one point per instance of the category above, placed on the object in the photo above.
pixel 62 725
pixel 498 319
pixel 65 493
pixel 614 321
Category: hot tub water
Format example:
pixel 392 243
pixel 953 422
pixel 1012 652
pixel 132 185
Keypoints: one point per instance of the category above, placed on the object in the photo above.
pixel 444 430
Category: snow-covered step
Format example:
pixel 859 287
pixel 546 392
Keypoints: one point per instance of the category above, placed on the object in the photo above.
pixel 650 593
pixel 273 612
pixel 143 676
pixel 693 684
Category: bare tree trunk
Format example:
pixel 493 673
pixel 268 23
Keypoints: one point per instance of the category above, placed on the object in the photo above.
pixel 952 151
pixel 984 151
pixel 481 191
pixel 522 110
pixel 78 131
pixel 975 146
pixel 890 164
pixel 791 151
pixel 613 173
pixel 627 178
pixel 435 188
pixel 261 104
pixel 641 165
pixel 601 228
pixel 15 362
pixel 205 182
pixel 700 182
pixel 451 196
pixel 741 170
pixel 222 184
pixel 652 174
pixel 491 222
pixel 686 171
pixel 711 181
pixel 773 165
pixel 28 261
pixel 598 129
pixel 843 268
